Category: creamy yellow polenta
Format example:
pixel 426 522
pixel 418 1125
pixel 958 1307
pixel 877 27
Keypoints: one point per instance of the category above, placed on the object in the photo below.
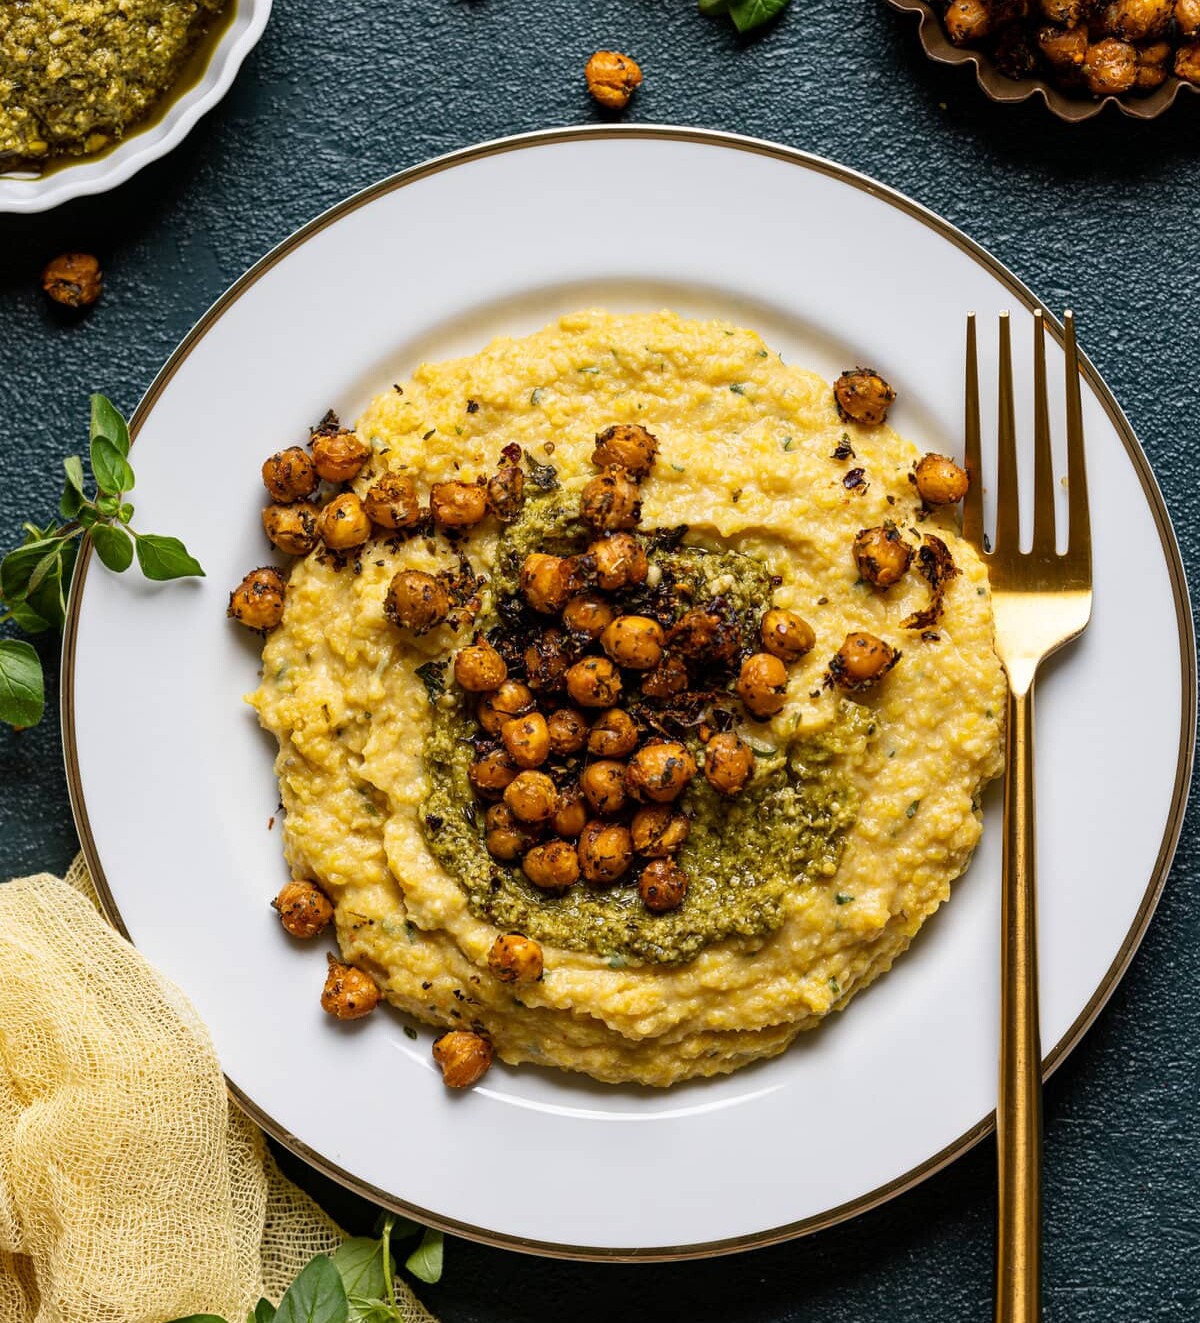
pixel 746 460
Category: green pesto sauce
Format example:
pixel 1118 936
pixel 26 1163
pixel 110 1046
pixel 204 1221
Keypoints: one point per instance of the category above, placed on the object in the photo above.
pixel 784 832
pixel 743 854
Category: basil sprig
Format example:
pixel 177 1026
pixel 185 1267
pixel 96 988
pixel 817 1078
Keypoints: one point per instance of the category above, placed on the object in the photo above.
pixel 36 577
pixel 746 14
pixel 356 1284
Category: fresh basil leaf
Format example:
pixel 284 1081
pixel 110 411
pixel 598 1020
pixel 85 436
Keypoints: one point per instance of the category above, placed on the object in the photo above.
pixel 27 618
pixel 165 557
pixel 114 546
pixel 749 14
pixel 713 6
pixel 111 468
pixel 316 1296
pixel 425 1262
pixel 22 688
pixel 264 1312
pixel 71 503
pixel 108 423
pixel 359 1262
pixel 74 470
pixel 18 567
pixel 48 597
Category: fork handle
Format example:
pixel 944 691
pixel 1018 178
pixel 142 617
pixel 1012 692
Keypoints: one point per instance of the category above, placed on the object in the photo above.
pixel 1019 1111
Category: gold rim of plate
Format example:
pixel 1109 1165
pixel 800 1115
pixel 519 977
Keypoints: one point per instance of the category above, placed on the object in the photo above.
pixel 1187 651
pixel 1000 88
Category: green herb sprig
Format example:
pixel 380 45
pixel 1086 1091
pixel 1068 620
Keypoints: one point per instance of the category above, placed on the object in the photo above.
pixel 746 14
pixel 36 577
pixel 354 1284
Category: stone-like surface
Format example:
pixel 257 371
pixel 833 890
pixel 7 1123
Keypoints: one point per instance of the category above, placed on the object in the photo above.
pixel 1101 216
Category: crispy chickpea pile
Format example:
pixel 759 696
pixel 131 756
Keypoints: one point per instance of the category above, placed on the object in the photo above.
pixel 314 509
pixel 1096 47
pixel 600 698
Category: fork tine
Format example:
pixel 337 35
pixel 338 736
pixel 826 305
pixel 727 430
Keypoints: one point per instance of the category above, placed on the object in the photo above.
pixel 1079 536
pixel 1008 513
pixel 1043 463
pixel 972 515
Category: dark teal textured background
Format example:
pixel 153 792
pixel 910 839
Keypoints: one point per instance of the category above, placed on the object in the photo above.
pixel 1103 217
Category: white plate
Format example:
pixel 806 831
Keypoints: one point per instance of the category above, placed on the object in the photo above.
pixel 172 780
pixel 21 192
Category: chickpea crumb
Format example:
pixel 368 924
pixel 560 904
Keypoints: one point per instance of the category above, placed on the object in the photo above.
pixel 73 279
pixel 612 79
pixel 464 1057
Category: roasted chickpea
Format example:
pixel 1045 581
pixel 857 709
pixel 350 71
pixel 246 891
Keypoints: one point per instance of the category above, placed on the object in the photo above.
pixel 349 994
pixel 1187 17
pixel 620 562
pixel 628 446
pixel 1110 67
pixel 1067 12
pixel 392 502
pixel 553 866
pixel 572 812
pixel 762 684
pixel 1187 62
pixel 594 682
pixel 417 601
pixel 292 528
pixel 728 763
pixel 1063 48
pixel 457 504
pixel 587 615
pixel 339 456
pixel 568 730
pixel 527 739
pixel 289 475
pixel 73 279
pixel 343 523
pixel 786 635
pixel 660 771
pixel 257 602
pixel 506 492
pixel 614 734
pixel 532 796
pixel 605 851
pixel 464 1057
pixel 512 699
pixel 1152 65
pixel 662 885
pixel 304 909
pixel 668 678
pixel 882 556
pixel 479 668
pixel 940 481
pixel 658 830
pixel 610 501
pixel 546 661
pixel 862 395
pixel 703 636
pixel 505 835
pixel 612 78
pixel 515 958
pixel 862 661
pixel 967 21
pixel 492 773
pixel 635 642
pixel 603 785
pixel 543 582
pixel 1137 20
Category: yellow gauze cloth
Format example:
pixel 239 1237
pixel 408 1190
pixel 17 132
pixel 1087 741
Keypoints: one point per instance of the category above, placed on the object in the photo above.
pixel 132 1189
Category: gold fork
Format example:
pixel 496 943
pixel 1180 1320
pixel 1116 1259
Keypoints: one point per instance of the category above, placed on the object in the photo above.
pixel 1042 599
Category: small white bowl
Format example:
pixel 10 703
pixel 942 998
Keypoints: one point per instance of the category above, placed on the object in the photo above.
pixel 32 192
